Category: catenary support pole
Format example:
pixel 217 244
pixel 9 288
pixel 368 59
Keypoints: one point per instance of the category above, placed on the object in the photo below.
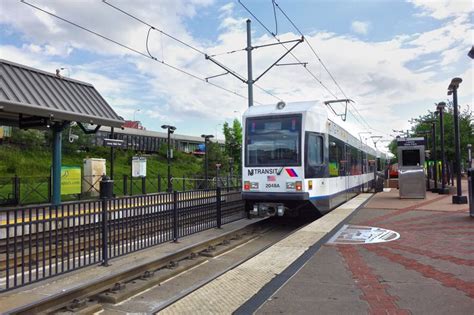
pixel 249 64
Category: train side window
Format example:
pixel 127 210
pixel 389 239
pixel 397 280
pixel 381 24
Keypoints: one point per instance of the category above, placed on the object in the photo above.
pixel 336 163
pixel 315 149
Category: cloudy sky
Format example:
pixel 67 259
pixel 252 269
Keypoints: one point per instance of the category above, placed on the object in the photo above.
pixel 393 58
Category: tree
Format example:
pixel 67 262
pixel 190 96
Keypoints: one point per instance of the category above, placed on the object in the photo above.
pixel 233 143
pixel 423 124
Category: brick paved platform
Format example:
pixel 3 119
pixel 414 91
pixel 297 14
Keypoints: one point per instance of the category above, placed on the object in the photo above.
pixel 428 270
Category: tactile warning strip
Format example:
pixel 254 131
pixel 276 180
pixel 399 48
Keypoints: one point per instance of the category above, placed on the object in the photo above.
pixel 229 291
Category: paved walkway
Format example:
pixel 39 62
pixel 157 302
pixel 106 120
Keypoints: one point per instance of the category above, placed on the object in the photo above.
pixel 428 270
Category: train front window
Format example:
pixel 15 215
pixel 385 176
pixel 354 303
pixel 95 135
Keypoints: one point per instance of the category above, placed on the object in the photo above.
pixel 273 141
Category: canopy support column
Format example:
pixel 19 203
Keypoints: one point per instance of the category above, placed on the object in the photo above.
pixel 57 129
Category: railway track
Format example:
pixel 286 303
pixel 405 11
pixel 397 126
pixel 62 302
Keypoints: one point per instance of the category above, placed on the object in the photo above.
pixel 35 256
pixel 170 275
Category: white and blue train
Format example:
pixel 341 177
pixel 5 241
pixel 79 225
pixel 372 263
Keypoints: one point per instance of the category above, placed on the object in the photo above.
pixel 295 158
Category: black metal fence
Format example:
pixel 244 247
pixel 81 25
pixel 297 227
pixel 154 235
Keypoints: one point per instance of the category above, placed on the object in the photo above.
pixel 26 190
pixel 44 241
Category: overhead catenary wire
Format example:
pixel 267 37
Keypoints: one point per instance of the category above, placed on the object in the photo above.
pixel 134 50
pixel 362 120
pixel 283 45
pixel 200 51
pixel 313 50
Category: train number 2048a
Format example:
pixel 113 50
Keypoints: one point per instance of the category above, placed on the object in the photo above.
pixel 272 185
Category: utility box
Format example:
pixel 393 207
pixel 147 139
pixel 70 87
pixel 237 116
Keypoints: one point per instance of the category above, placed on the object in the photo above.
pixel 411 173
pixel 93 171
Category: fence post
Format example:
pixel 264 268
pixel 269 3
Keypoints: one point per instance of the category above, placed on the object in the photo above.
pixel 184 184
pixel 228 183
pixel 125 185
pixel 131 185
pixel 175 216
pixel 144 185
pixel 159 183
pixel 16 189
pixel 49 190
pixel 105 252
pixel 106 194
pixel 219 207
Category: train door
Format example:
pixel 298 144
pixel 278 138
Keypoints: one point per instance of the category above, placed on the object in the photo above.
pixel 347 169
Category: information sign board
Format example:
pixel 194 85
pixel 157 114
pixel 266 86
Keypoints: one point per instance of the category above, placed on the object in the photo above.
pixel 138 166
pixel 70 180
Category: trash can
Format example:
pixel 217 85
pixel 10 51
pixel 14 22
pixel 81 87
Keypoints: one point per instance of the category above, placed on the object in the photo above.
pixel 106 188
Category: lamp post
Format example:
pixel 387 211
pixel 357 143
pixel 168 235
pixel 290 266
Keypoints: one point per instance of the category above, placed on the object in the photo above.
pixel 453 89
pixel 433 155
pixel 206 158
pixel 443 190
pixel 171 130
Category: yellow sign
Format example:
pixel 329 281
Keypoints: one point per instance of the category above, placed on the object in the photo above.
pixel 70 180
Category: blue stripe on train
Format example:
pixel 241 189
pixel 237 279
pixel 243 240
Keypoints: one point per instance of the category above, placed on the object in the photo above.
pixel 333 195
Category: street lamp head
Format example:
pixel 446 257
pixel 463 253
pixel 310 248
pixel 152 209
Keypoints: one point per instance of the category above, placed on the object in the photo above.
pixel 469 145
pixel 454 83
pixel 440 106
pixel 206 137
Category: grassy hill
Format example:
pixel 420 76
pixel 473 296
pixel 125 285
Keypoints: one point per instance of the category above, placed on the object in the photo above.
pixel 32 165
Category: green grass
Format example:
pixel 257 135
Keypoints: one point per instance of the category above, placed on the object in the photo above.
pixel 33 168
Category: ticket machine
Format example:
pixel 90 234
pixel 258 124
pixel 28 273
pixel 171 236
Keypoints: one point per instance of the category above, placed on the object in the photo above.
pixel 411 173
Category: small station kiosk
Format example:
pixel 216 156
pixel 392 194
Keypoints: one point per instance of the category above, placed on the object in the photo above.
pixel 411 173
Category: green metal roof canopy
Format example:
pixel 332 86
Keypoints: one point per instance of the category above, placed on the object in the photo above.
pixel 30 95
pixel 31 98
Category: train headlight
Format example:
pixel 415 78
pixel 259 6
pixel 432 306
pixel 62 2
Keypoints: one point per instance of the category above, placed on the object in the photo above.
pixel 246 185
pixel 299 185
pixel 254 185
pixel 290 185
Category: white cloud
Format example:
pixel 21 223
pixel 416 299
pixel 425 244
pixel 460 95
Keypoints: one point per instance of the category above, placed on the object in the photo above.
pixel 360 27
pixel 442 9
pixel 375 74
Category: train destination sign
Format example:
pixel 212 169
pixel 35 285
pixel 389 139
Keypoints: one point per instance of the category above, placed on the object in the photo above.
pixel 116 143
pixel 410 142
pixel 356 234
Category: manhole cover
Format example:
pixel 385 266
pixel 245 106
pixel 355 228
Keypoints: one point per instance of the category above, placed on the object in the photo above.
pixel 356 234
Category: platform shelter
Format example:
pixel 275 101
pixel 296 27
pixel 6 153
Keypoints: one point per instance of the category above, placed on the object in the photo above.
pixel 32 98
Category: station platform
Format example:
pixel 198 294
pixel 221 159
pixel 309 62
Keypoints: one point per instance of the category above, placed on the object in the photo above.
pixel 375 254
pixel 429 269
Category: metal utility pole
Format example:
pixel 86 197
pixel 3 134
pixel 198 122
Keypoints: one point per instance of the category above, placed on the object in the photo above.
pixel 206 159
pixel 170 129
pixel 453 89
pixel 249 63
pixel 433 155
pixel 443 190
pixel 249 80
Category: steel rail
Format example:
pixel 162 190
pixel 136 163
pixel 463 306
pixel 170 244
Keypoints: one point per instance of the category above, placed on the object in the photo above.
pixel 62 299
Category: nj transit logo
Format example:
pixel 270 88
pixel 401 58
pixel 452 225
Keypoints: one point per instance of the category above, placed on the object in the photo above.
pixel 291 172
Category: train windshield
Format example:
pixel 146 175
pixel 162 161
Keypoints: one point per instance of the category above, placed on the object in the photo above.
pixel 273 141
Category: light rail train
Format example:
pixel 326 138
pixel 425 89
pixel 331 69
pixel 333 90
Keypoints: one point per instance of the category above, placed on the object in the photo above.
pixel 295 157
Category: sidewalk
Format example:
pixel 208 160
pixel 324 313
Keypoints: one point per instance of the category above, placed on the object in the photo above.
pixel 428 270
